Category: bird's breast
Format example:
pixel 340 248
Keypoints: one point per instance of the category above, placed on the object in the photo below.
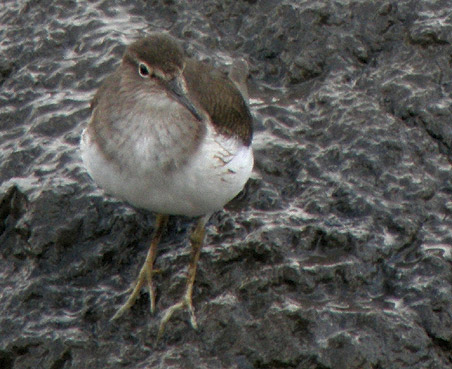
pixel 157 134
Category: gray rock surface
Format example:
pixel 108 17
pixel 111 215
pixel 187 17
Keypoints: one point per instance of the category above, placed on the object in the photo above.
pixel 336 255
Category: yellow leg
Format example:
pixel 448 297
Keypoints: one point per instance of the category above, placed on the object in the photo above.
pixel 196 239
pixel 147 269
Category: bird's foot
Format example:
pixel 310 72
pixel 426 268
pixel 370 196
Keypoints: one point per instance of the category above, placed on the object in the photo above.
pixel 147 270
pixel 196 239
pixel 145 277
pixel 184 303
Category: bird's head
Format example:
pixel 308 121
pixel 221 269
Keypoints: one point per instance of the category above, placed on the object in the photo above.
pixel 159 61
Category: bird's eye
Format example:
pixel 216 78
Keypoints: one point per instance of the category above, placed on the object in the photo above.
pixel 143 70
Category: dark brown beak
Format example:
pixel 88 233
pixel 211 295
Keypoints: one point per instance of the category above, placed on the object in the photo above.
pixel 177 87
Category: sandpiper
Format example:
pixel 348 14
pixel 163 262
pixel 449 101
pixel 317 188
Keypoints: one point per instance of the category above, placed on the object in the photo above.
pixel 171 135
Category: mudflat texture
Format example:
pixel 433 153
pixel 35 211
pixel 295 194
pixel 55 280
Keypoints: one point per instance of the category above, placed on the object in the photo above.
pixel 336 255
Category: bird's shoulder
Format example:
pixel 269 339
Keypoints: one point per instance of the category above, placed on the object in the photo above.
pixel 111 83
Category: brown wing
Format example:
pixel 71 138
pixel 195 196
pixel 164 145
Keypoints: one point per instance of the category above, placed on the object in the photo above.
pixel 220 98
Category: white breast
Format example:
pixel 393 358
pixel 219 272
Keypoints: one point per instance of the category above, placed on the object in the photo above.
pixel 214 174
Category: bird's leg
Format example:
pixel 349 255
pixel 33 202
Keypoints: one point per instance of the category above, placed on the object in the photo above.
pixel 196 240
pixel 147 269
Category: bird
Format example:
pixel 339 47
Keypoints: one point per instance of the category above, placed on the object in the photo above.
pixel 173 135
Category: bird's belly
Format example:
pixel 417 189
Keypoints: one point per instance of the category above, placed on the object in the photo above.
pixel 215 175
pixel 212 176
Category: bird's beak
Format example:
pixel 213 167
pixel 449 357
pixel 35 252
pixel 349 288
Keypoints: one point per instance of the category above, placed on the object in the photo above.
pixel 178 88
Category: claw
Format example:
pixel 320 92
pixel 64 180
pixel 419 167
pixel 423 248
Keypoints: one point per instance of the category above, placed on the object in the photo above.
pixel 185 302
